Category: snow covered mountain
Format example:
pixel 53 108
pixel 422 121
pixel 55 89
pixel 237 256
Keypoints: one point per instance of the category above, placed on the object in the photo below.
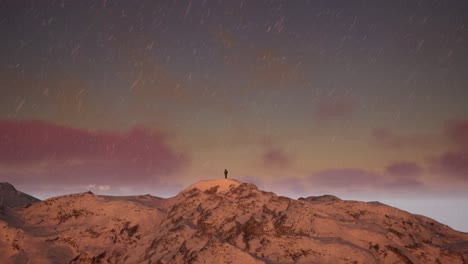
pixel 222 221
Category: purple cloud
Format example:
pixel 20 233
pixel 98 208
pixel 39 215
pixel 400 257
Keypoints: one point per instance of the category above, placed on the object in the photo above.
pixel 457 132
pixel 38 151
pixel 404 169
pixel 453 164
pixel 276 157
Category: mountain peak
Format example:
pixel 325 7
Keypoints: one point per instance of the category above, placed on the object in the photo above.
pixel 10 197
pixel 6 186
pixel 221 185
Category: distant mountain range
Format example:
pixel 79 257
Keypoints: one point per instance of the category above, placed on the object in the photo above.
pixel 218 221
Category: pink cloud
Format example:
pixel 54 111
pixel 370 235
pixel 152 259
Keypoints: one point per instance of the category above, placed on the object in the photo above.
pixel 404 169
pixel 276 157
pixel 457 132
pixel 29 141
pixel 42 152
pixel 452 164
pixel 334 108
pixel 403 183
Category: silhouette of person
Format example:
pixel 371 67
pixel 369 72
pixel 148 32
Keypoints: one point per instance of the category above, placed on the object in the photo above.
pixel 225 173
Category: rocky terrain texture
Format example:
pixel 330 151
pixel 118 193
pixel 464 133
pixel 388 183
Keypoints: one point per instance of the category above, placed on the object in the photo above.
pixel 222 221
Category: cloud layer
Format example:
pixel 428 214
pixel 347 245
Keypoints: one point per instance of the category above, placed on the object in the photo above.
pixel 457 132
pixel 404 169
pixel 36 151
pixel 454 163
pixel 449 164
pixel 276 157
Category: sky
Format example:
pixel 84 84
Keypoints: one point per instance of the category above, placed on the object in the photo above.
pixel 365 100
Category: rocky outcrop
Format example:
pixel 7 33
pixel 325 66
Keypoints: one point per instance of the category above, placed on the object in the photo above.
pixel 10 197
pixel 321 199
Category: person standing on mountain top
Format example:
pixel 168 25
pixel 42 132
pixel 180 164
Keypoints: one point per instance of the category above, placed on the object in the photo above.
pixel 225 173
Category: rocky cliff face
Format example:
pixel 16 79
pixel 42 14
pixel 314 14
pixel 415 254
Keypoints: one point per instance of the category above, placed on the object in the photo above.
pixel 10 197
pixel 223 221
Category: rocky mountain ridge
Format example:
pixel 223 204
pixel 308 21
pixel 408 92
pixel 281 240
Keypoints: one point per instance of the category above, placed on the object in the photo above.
pixel 10 197
pixel 222 221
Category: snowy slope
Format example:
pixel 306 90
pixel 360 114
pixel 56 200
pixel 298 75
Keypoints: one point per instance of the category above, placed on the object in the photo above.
pixel 221 185
pixel 223 221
